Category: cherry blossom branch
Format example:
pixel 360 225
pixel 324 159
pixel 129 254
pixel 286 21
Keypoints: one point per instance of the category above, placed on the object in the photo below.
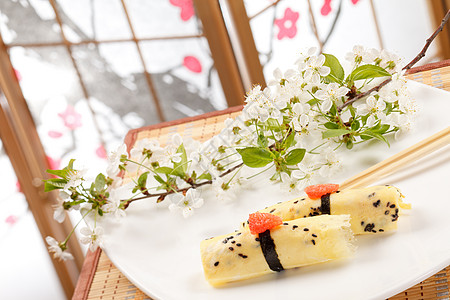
pixel 406 68
pixel 161 196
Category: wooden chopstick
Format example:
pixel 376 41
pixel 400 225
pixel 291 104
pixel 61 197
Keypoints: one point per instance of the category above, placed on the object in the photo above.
pixel 399 160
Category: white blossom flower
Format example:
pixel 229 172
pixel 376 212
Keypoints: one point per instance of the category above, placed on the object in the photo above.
pixel 224 191
pixel 290 183
pixel 280 78
pixel 74 178
pixel 60 213
pixel 261 106
pixel 92 237
pixel 145 149
pixel 373 106
pixel 360 54
pixel 59 251
pixel 186 203
pixel 306 173
pixel 315 68
pixel 331 93
pixel 332 163
pixel 113 202
pixel 114 160
pixel 304 57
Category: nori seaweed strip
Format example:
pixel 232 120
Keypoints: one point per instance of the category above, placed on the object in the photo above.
pixel 269 252
pixel 325 204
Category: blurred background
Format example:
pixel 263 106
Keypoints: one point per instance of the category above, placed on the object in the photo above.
pixel 76 76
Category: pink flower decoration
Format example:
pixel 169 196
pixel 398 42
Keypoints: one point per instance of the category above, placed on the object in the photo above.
pixel 187 8
pixel 326 8
pixel 53 163
pixel 18 75
pixel 19 188
pixel 54 134
pixel 101 152
pixel 355 1
pixel 287 24
pixel 71 118
pixel 11 220
pixel 192 64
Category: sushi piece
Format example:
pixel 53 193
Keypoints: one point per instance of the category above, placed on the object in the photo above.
pixel 372 209
pixel 243 255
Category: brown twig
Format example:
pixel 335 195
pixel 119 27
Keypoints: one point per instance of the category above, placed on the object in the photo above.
pixel 314 26
pixel 405 68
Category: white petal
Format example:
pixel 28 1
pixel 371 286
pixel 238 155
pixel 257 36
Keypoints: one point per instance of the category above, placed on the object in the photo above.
pixel 277 74
pixel 187 212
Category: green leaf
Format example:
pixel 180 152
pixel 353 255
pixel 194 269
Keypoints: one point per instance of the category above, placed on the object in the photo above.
pixel 262 141
pixel 54 184
pixel 205 176
pixel 164 170
pixel 255 157
pixel 294 156
pixel 70 165
pixel 366 72
pixel 334 132
pixel 355 125
pixel 380 128
pixel 142 181
pixel 273 125
pixel 313 101
pixel 289 141
pixel 59 173
pixel 100 182
pixel 336 70
pixel 159 179
pixel 183 163
pixel 369 133
pixel 331 125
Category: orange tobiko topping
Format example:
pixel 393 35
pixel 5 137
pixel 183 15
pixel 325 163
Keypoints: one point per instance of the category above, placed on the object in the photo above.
pixel 318 190
pixel 260 222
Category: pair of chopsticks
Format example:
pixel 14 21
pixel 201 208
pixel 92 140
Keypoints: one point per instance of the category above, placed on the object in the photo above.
pixel 399 160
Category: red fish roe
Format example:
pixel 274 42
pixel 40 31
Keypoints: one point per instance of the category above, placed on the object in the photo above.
pixel 318 190
pixel 260 222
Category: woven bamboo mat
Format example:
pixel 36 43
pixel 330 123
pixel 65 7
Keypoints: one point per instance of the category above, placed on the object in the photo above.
pixel 109 283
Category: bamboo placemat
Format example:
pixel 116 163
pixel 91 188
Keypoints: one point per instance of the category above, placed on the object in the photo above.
pixel 100 279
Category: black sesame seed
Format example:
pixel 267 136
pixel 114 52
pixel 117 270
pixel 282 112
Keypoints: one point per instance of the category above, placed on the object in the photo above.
pixel 230 237
pixel 371 195
pixel 216 264
pixel 272 210
pixel 313 241
pixel 337 192
pixel 231 248
pixel 369 227
pixel 316 213
pixel 257 239
pixel 377 203
pixel 310 215
pixel 381 230
pixel 386 212
pixel 305 229
pixel 302 199
pixel 374 231
pixel 225 241
pixel 362 223
pixel 314 235
pixel 238 244
pixel 304 216
pixel 295 226
pixel 392 206
pixel 296 201
pixel 387 204
pixel 239 233
pixel 396 210
pixel 233 242
pixel 285 223
pixel 242 255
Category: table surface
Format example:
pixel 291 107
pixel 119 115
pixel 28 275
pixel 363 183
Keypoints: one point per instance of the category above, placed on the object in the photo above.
pixel 100 279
